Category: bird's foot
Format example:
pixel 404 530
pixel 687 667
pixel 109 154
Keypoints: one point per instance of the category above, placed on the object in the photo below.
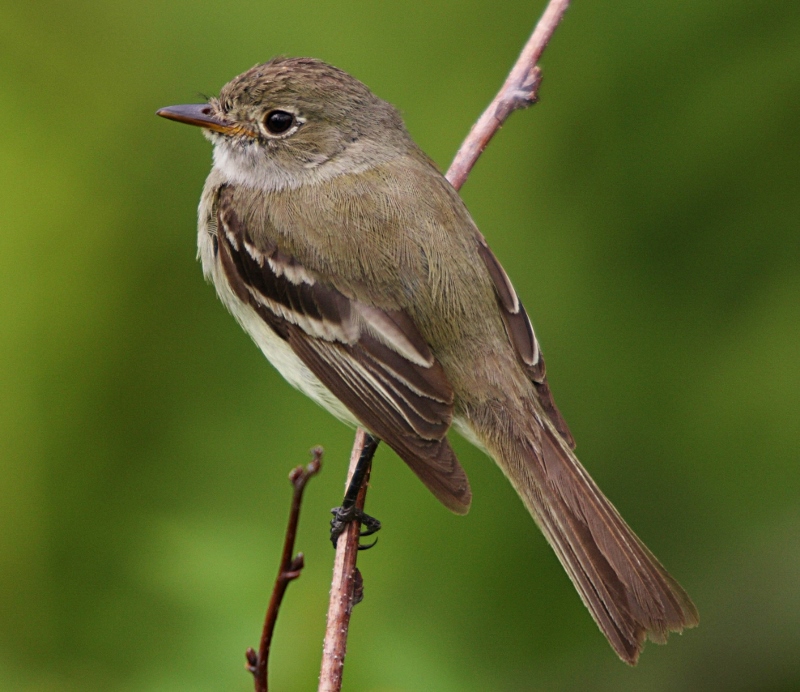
pixel 342 516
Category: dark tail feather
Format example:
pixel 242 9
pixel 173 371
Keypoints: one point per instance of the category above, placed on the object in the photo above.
pixel 629 594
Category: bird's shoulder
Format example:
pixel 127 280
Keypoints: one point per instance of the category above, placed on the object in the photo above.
pixel 378 233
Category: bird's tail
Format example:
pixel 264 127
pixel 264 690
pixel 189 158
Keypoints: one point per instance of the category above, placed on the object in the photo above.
pixel 629 594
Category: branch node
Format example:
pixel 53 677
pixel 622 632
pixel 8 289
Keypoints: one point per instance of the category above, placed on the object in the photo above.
pixel 528 93
pixel 252 660
pixel 358 588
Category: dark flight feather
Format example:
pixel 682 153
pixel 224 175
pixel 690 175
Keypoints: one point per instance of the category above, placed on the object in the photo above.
pixel 520 334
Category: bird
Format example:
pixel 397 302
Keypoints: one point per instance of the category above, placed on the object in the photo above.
pixel 353 264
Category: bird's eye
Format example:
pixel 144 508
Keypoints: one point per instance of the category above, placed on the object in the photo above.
pixel 278 122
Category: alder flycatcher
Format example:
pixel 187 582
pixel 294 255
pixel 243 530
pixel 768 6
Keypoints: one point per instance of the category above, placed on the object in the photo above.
pixel 357 270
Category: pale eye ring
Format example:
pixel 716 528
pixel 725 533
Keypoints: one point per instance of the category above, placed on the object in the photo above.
pixel 278 122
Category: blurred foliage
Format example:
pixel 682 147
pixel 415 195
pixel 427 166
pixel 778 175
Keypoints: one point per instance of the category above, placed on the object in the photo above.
pixel 647 211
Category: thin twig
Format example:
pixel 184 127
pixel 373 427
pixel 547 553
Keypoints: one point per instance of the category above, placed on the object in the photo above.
pixel 345 587
pixel 520 90
pixel 288 571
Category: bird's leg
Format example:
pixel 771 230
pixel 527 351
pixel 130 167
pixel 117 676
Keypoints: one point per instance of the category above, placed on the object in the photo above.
pixel 348 511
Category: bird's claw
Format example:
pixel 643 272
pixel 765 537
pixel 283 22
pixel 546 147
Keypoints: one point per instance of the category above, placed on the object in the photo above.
pixel 342 516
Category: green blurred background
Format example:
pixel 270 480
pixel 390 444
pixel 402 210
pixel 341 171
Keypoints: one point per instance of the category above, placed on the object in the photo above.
pixel 647 211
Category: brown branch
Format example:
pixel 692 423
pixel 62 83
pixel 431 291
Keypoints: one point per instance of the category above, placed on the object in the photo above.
pixel 520 90
pixel 288 571
pixel 345 586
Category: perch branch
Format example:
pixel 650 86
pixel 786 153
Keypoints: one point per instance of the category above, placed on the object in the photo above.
pixel 520 90
pixel 345 587
pixel 288 571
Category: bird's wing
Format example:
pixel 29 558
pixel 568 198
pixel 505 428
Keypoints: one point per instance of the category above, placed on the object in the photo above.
pixel 373 360
pixel 520 334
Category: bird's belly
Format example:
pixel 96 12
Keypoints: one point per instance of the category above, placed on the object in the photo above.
pixel 289 365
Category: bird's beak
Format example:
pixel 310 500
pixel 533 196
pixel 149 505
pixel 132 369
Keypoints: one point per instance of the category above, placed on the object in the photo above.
pixel 200 114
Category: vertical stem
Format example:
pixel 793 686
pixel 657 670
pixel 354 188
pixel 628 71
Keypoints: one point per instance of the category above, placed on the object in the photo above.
pixel 342 586
pixel 288 571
